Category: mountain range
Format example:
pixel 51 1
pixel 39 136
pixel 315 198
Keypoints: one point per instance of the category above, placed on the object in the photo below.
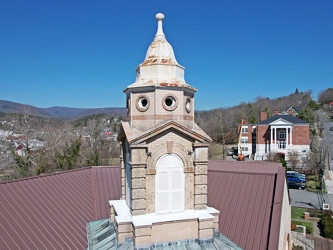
pixel 56 112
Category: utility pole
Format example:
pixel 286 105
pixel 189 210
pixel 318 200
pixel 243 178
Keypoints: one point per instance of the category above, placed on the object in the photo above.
pixel 328 160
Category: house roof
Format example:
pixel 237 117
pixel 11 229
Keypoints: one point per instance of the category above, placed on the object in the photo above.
pixel 102 236
pixel 248 196
pixel 296 108
pixel 51 211
pixel 286 117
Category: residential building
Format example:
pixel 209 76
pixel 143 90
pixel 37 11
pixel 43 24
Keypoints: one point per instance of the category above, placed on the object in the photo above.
pixel 294 111
pixel 281 133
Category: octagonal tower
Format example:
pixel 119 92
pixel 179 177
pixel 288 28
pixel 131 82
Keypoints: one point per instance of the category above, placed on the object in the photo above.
pixel 160 92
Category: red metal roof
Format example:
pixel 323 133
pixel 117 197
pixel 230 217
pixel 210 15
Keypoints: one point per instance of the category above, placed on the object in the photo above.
pixel 247 196
pixel 51 211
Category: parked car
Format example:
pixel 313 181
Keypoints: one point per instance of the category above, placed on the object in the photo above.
pixel 296 176
pixel 296 173
pixel 230 152
pixel 294 184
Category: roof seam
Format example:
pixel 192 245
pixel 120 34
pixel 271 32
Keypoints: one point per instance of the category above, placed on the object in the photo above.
pixel 93 190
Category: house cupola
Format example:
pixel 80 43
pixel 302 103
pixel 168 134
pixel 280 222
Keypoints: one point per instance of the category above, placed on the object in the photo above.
pixel 160 93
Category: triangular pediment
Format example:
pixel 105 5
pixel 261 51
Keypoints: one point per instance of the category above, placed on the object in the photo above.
pixel 136 136
pixel 280 122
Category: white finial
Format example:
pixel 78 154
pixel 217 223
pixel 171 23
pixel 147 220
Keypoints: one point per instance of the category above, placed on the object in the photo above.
pixel 159 18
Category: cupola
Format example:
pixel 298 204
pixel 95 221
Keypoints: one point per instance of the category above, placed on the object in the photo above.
pixel 160 92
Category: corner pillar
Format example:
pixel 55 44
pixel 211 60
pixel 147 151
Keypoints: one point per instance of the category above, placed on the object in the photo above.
pixel 200 175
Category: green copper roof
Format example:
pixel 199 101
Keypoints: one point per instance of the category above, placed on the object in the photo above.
pixel 102 236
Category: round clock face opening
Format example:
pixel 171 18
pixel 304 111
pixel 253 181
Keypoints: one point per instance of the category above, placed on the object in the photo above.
pixel 142 103
pixel 170 102
pixel 188 105
pixel 128 105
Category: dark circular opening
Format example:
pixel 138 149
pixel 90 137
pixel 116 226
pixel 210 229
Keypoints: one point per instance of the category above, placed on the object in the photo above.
pixel 168 102
pixel 188 105
pixel 144 102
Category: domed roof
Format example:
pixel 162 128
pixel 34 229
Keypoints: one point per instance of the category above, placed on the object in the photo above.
pixel 160 67
pixel 160 51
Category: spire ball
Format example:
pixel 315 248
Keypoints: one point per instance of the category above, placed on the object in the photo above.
pixel 159 16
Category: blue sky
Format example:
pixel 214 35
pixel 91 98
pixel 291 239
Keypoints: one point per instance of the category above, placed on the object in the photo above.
pixel 84 53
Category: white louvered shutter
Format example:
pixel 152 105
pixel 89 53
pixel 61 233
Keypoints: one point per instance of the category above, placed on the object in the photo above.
pixel 176 191
pixel 163 192
pixel 169 184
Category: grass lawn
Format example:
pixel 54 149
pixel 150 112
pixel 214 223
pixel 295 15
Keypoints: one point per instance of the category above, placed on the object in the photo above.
pixel 215 151
pixel 307 224
pixel 313 177
pixel 297 213
pixel 297 217
pixel 313 184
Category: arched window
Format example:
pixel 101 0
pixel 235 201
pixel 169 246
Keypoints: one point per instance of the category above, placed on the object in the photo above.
pixel 169 184
pixel 281 134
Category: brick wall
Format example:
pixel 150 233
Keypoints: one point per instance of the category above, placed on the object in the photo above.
pixel 301 135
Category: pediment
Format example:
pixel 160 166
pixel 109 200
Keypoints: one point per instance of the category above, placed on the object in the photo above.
pixel 280 122
pixel 136 136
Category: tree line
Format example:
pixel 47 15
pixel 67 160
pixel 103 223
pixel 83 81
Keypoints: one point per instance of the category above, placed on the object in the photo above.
pixel 87 142
pixel 223 122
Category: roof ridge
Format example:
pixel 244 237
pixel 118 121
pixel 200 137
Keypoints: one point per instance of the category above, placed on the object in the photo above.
pixel 45 175
pixel 267 168
pixel 242 171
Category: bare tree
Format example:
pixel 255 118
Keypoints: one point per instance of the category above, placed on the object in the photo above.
pixel 317 157
pixel 293 158
pixel 271 156
pixel 325 96
pixel 320 127
pixel 6 163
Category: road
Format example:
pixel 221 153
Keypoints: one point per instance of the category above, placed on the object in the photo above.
pixel 304 198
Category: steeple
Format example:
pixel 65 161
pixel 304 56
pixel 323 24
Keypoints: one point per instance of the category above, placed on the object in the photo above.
pixel 160 67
